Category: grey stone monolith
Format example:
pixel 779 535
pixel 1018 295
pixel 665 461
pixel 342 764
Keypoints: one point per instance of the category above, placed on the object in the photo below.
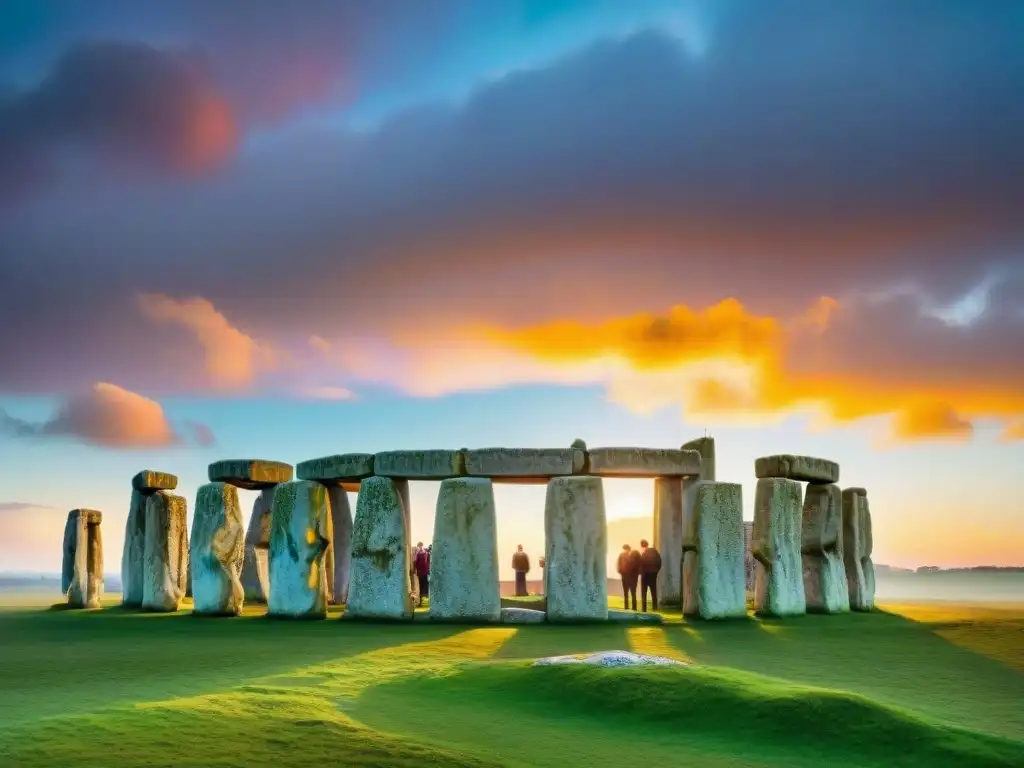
pixel 705 446
pixel 379 586
pixel 339 555
pixel 165 561
pixel 575 575
pixel 749 562
pixel 82 567
pixel 713 574
pixel 668 537
pixel 464 562
pixel 857 546
pixel 217 551
pixel 824 573
pixel 133 554
pixel 775 544
pixel 300 534
pixel 255 568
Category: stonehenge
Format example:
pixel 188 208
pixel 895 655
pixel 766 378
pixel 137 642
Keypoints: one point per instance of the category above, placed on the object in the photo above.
pixel 304 550
pixel 82 566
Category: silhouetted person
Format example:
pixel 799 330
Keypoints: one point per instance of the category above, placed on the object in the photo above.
pixel 422 566
pixel 521 565
pixel 650 564
pixel 629 572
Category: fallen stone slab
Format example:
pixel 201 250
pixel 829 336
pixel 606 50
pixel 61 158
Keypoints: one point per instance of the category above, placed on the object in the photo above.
pixel 420 465
pixel 775 544
pixel 251 474
pixel 575 574
pixel 523 464
pixel 166 552
pixel 464 562
pixel 300 535
pixel 255 563
pixel 713 574
pixel 824 573
pixel 134 551
pixel 668 538
pixel 150 481
pixel 339 555
pixel 522 616
pixel 804 468
pixel 82 566
pixel 857 546
pixel 643 462
pixel 611 659
pixel 705 446
pixel 342 468
pixel 380 585
pixel 634 617
pixel 218 549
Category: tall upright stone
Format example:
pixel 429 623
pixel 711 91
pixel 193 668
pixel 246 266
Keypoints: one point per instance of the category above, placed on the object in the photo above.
pixel 300 534
pixel 576 578
pixel 668 537
pixel 464 562
pixel 379 586
pixel 672 556
pixel 339 555
pixel 749 562
pixel 144 484
pixel 857 547
pixel 166 553
pixel 218 548
pixel 82 566
pixel 713 573
pixel 824 572
pixel 775 544
pixel 255 568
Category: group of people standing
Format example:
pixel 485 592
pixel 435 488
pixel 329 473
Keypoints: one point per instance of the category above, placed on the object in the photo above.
pixel 639 565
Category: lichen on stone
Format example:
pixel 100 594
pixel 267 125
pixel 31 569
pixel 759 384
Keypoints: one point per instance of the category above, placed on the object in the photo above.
pixel 575 573
pixel 379 587
pixel 218 546
pixel 776 544
pixel 165 558
pixel 299 539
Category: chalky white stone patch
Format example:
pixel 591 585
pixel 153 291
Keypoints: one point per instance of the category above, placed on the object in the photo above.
pixel 612 659
pixel 575 575
pixel 166 552
pixel 218 547
pixel 300 534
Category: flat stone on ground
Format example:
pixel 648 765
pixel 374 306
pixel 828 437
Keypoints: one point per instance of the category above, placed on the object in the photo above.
pixel 300 535
pixel 643 462
pixel 575 574
pixel 251 474
pixel 522 616
pixel 420 465
pixel 166 552
pixel 149 481
pixel 527 464
pixel 775 543
pixel 217 551
pixel 804 468
pixel 635 617
pixel 713 573
pixel 340 468
pixel 464 562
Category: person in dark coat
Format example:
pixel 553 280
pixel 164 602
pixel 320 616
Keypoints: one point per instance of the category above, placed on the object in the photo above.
pixel 629 572
pixel 521 565
pixel 650 564
pixel 423 571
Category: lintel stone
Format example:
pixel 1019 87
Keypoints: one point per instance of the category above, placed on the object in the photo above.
pixel 804 468
pixel 251 474
pixel 151 481
pixel 437 464
pixel 643 462
pixel 340 469
pixel 524 464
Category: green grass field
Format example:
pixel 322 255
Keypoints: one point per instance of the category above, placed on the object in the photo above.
pixel 924 684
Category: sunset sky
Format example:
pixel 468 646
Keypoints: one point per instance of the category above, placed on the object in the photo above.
pixel 234 229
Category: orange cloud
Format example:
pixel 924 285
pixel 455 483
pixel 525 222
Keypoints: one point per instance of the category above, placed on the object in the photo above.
pixel 931 420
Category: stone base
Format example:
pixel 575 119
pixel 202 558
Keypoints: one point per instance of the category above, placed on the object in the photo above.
pixel 218 547
pixel 166 554
pixel 300 535
pixel 776 544
pixel 575 574
pixel 379 588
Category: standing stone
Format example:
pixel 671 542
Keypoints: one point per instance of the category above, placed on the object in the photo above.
pixel 402 488
pixel 779 584
pixel 857 546
pixel 464 563
pixel 300 534
pixel 379 588
pixel 339 556
pixel 133 554
pixel 824 572
pixel 705 446
pixel 749 562
pixel 218 547
pixel 713 574
pixel 668 537
pixel 255 570
pixel 166 553
pixel 576 578
pixel 82 567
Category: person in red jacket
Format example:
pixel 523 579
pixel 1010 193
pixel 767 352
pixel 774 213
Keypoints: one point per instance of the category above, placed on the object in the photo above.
pixel 650 564
pixel 422 566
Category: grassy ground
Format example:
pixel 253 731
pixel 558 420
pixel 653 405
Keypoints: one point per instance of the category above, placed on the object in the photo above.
pixel 923 684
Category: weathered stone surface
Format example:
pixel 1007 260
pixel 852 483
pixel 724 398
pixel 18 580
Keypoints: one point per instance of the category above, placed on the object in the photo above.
pixel 252 474
pixel 379 588
pixel 334 470
pixel 420 465
pixel 166 552
pixel 713 575
pixel 133 554
pixel 705 446
pixel 300 535
pixel 805 468
pixel 749 562
pixel 255 564
pixel 522 616
pixel 668 537
pixel 339 555
pixel 530 464
pixel 82 567
pixel 218 548
pixel 575 574
pixel 824 575
pixel 95 561
pixel 857 540
pixel 775 543
pixel 643 462
pixel 68 564
pixel 150 481
pixel 464 562
pixel 633 617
